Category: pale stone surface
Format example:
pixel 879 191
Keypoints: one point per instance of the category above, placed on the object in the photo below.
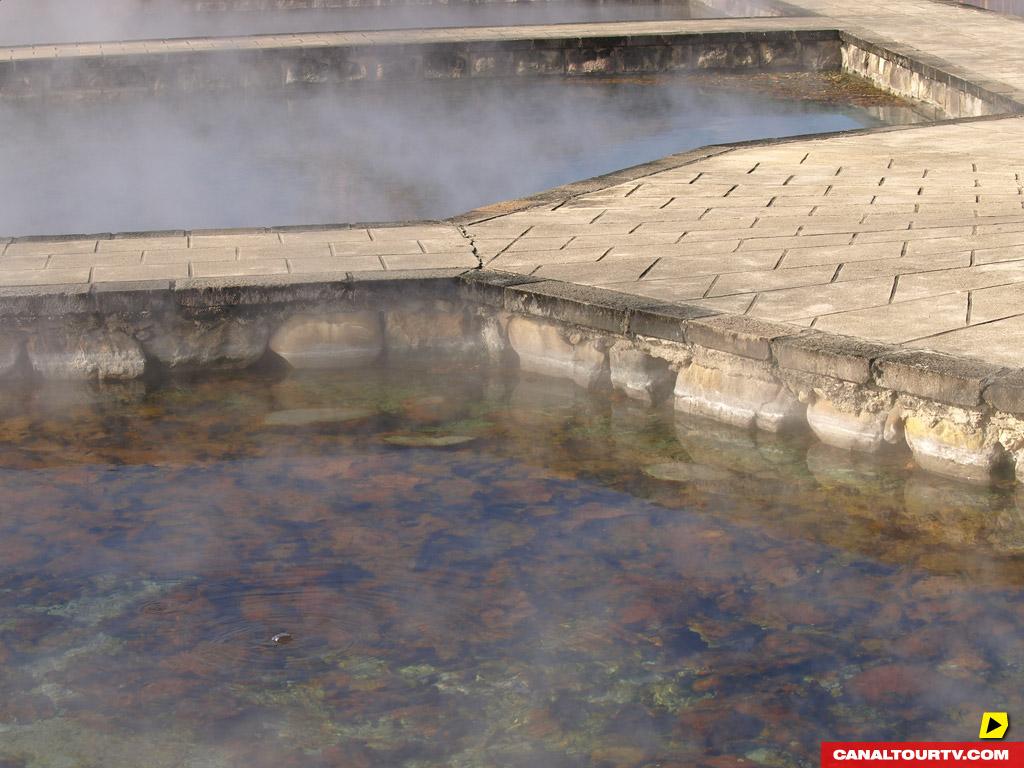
pixel 639 375
pixel 862 430
pixel 723 388
pixel 336 340
pixel 545 348
pixel 951 443
pixel 79 354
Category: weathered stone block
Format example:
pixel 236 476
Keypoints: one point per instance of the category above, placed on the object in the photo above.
pixel 639 375
pixel 77 354
pixel 736 398
pixel 856 430
pixel 935 376
pixel 545 348
pixel 1006 392
pixel 429 330
pixel 336 340
pixel 953 445
pixel 839 357
pixel 738 335
pixel 222 343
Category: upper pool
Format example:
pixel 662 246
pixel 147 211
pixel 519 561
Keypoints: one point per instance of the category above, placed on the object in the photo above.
pixel 71 21
pixel 379 153
pixel 442 566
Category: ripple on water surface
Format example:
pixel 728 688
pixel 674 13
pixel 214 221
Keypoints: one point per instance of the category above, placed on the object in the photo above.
pixel 188 575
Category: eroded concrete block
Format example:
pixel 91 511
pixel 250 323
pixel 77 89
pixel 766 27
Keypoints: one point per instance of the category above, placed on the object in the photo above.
pixel 855 430
pixel 735 391
pixel 430 329
pixel 226 344
pixel 639 375
pixel 550 350
pixel 952 442
pixel 337 340
pixel 71 354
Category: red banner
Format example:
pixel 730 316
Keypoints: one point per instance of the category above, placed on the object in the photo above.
pixel 924 754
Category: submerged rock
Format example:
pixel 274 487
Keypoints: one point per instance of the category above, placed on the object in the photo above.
pixel 684 472
pixel 301 417
pixel 428 441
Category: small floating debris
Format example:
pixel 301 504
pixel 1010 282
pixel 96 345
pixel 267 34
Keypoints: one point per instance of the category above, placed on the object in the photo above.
pixel 683 472
pixel 428 441
pixel 302 417
pixel 282 638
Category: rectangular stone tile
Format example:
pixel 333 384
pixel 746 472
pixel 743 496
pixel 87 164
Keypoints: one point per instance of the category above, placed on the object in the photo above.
pixel 859 270
pixel 429 260
pixel 907 235
pixel 185 255
pixel 945 245
pixel 800 241
pixel 234 239
pixel 240 268
pixel 771 279
pixel 805 257
pixel 599 227
pixel 48 247
pixel 924 284
pixel 989 304
pixel 566 256
pixel 1000 342
pixel 325 236
pixel 737 304
pixel 445 245
pixel 996 255
pixel 900 322
pixel 376 247
pixel 44 276
pixel 680 289
pixel 142 243
pixel 316 265
pixel 809 302
pixel 115 259
pixel 648 225
pixel 304 250
pixel 691 266
pixel 598 273
pixel 415 232
pixel 682 250
pixel 626 241
pixel 539 243
pixel 20 263
pixel 120 274
pixel 743 233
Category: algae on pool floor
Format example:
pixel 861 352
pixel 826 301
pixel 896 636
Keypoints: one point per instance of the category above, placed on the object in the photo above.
pixel 532 598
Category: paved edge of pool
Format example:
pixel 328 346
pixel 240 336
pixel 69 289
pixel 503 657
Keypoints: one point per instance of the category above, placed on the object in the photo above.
pixel 960 418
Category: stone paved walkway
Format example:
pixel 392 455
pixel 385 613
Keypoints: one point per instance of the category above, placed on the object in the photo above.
pixel 911 236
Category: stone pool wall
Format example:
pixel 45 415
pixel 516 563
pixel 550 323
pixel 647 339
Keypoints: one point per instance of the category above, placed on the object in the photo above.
pixel 283 66
pixel 913 76
pixel 959 418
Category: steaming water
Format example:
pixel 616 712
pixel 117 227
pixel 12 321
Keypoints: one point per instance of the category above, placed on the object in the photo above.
pixel 64 21
pixel 359 154
pixel 533 598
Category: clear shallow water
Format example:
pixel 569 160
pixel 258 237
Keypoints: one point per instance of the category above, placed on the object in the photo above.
pixel 365 154
pixel 67 21
pixel 531 598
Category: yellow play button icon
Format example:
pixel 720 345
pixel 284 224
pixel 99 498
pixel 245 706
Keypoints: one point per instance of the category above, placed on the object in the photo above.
pixel 994 725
